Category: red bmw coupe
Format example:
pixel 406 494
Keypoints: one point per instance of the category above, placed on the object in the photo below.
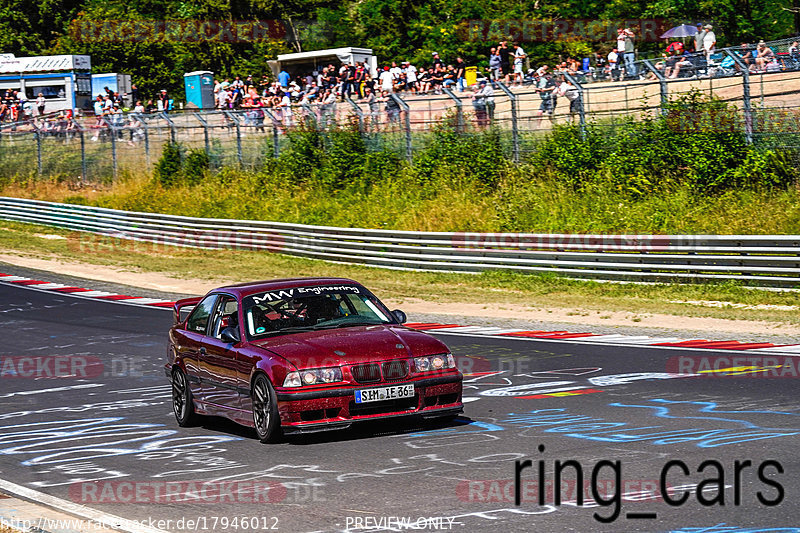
pixel 302 355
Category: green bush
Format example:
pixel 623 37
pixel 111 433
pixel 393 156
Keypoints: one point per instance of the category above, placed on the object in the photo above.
pixel 195 166
pixel 168 168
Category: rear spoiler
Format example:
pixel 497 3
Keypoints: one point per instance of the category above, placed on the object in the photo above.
pixel 186 302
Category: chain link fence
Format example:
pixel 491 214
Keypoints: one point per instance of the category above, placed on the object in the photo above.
pixel 98 149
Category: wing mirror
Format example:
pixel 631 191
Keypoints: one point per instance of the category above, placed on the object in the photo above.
pixel 230 335
pixel 399 316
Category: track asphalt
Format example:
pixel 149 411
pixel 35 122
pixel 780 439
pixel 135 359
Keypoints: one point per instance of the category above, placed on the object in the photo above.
pixel 102 435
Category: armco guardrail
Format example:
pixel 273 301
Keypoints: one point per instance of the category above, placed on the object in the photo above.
pixel 766 260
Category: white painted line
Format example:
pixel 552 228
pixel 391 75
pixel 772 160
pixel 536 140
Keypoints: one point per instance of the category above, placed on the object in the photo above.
pixel 795 348
pixel 81 511
pixel 15 278
pixel 142 301
pixel 48 286
pixel 95 294
pixel 614 338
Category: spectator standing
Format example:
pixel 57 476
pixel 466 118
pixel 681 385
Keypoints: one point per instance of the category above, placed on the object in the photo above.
pixel 461 72
pixel 600 64
pixel 374 107
pixel 40 103
pixel 387 80
pixel 411 77
pixel 437 62
pixel 630 54
pixel 709 42
pixel 163 97
pixel 482 99
pixel 505 60
pixel 135 96
pixel 495 65
pixel 613 64
pixel 283 78
pixel 519 60
pixel 546 89
pixel 699 37
pixel 571 93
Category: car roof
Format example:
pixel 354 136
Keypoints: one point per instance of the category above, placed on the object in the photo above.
pixel 254 287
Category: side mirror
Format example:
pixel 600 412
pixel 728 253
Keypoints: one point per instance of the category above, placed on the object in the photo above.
pixel 230 335
pixel 399 316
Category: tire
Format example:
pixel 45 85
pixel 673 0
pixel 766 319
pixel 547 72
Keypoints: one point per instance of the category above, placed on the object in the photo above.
pixel 265 410
pixel 182 404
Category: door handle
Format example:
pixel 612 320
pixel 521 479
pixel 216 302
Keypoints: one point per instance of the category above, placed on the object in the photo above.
pixel 202 350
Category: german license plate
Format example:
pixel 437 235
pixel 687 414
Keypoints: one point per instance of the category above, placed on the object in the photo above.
pixel 384 393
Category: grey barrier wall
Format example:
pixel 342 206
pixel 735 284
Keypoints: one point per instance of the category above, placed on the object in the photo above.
pixel 756 260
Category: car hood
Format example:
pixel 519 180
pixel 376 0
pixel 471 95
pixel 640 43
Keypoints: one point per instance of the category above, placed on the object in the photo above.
pixel 352 345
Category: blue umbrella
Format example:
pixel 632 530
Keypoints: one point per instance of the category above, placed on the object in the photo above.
pixel 684 30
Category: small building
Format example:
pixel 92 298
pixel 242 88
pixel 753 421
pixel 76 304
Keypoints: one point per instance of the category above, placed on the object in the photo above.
pixel 65 80
pixel 117 83
pixel 303 63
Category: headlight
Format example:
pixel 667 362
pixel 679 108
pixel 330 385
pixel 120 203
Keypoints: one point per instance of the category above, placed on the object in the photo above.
pixel 313 377
pixel 441 361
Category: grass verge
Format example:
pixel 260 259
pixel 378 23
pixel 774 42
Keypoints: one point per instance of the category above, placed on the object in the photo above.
pixel 535 291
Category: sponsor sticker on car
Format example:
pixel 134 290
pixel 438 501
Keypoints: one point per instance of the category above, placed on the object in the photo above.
pixel 384 393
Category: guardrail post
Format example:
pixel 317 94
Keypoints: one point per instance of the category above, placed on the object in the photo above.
pixel 358 111
pixel 112 132
pixel 662 83
pixel 407 121
pixel 459 109
pixel 748 112
pixel 236 121
pixel 172 132
pixel 206 140
pixel 79 129
pixel 514 131
pixel 276 147
pixel 38 152
pixel 581 112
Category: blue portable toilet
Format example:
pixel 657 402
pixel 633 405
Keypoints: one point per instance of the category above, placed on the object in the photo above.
pixel 199 89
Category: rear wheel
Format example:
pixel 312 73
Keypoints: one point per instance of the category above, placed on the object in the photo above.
pixel 265 410
pixel 182 403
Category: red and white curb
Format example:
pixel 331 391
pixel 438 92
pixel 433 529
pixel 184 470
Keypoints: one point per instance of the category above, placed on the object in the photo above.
pixel 642 340
pixel 451 329
pixel 83 293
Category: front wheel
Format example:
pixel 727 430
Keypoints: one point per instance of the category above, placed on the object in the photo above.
pixel 182 403
pixel 265 410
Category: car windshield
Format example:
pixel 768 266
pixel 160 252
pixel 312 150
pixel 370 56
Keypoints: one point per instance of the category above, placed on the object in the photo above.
pixel 311 308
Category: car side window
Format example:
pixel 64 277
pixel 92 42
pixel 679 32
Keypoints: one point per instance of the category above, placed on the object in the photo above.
pixel 225 315
pixel 198 320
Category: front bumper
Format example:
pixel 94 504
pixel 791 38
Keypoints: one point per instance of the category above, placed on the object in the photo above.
pixel 319 410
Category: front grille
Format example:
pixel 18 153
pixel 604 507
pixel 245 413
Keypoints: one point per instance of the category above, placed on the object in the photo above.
pixel 395 370
pixel 366 373
pixel 385 407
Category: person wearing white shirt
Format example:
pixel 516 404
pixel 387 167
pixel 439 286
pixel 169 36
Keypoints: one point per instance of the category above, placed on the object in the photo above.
pixel 613 64
pixel 709 41
pixel 387 80
pixel 411 76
